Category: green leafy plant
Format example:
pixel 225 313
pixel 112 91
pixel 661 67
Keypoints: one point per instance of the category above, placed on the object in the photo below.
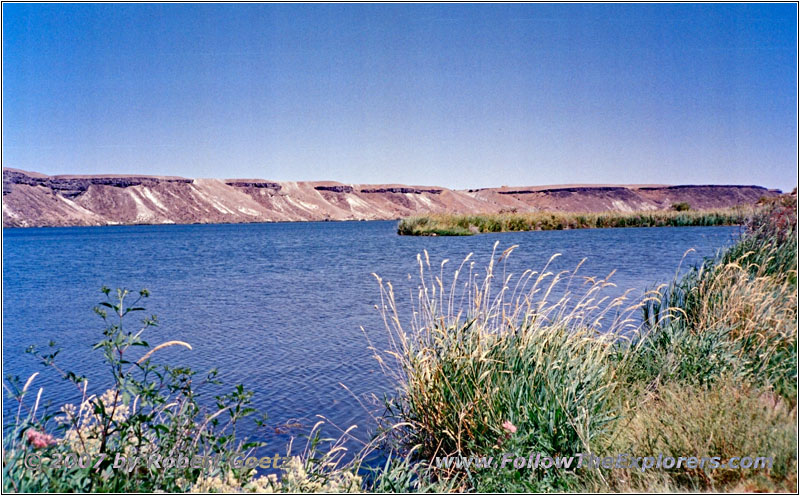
pixel 148 410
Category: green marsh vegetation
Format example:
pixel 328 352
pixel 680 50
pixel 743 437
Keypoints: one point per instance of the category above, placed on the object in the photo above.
pixel 466 225
pixel 486 363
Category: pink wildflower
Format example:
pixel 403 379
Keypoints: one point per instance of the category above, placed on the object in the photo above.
pixel 509 427
pixel 39 439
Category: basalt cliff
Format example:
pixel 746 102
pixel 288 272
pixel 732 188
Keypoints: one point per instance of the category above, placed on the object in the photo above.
pixel 31 199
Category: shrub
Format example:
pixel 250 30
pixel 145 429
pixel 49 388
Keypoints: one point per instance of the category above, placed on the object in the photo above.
pixel 681 207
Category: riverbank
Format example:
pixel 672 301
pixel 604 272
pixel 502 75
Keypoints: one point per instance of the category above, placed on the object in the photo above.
pixel 467 225
pixel 711 374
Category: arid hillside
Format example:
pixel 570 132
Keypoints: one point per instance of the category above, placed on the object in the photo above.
pixel 31 199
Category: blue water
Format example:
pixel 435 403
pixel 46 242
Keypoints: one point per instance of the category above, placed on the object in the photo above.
pixel 277 307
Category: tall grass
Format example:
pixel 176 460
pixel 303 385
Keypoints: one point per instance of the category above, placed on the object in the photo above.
pixel 489 363
pixel 488 354
pixel 736 312
pixel 716 370
pixel 466 225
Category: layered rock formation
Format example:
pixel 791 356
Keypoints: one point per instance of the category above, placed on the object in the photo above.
pixel 32 199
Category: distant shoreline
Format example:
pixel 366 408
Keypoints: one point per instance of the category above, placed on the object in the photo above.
pixel 268 222
pixel 32 199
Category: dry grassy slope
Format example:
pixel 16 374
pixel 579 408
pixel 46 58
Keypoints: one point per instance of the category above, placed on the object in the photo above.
pixel 33 199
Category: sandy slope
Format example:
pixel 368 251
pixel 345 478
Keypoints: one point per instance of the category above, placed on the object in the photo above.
pixel 33 199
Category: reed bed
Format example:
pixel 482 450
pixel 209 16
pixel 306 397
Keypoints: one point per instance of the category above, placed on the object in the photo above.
pixel 466 225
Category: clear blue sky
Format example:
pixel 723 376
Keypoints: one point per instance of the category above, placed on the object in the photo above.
pixel 452 95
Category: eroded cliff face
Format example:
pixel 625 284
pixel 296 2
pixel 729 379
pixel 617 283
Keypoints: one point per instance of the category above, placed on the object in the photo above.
pixel 31 199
